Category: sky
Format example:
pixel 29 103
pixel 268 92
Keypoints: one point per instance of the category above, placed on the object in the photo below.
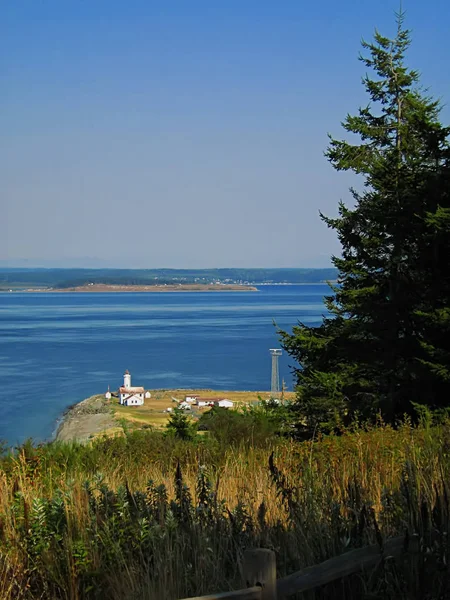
pixel 185 133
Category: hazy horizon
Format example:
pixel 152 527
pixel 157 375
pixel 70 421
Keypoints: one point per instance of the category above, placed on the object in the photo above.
pixel 189 135
pixel 99 264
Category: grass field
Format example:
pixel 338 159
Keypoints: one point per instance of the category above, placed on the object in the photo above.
pixel 143 516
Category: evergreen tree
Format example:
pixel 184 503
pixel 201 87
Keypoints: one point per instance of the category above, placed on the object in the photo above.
pixel 385 343
pixel 180 425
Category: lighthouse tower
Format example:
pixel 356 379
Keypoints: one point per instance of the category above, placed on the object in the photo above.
pixel 127 379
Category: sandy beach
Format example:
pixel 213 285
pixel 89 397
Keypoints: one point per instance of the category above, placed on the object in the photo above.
pixel 182 287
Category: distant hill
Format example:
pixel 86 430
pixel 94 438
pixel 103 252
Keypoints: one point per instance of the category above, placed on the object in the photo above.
pixel 20 278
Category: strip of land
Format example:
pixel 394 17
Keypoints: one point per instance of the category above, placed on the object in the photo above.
pixel 98 416
pixel 182 287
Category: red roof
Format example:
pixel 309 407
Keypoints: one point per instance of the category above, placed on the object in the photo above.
pixel 131 390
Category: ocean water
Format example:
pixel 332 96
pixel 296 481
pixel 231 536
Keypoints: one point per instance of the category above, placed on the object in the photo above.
pixel 57 349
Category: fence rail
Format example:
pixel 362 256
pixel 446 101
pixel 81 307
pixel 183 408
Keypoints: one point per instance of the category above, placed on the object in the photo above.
pixel 259 570
pixel 253 593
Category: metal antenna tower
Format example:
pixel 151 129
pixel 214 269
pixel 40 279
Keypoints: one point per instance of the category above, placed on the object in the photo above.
pixel 275 387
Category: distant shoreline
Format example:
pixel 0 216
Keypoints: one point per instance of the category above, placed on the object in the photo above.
pixel 187 287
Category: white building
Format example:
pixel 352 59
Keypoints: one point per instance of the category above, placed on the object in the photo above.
pixel 191 399
pixel 204 402
pixel 224 403
pixel 131 396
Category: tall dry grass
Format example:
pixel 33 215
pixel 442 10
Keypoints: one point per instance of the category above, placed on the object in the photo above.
pixel 148 517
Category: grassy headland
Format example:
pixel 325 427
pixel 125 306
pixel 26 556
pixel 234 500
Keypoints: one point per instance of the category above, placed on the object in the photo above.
pixel 147 516
pixel 96 415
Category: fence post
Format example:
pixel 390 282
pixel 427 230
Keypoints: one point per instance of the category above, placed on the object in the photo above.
pixel 260 569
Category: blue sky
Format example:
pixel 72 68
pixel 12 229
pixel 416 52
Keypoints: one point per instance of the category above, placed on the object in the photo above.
pixel 185 133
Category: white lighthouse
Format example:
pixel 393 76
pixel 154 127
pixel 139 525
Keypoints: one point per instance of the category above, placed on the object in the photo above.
pixel 127 379
pixel 131 396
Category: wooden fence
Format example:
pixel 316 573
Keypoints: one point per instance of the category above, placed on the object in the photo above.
pixel 259 570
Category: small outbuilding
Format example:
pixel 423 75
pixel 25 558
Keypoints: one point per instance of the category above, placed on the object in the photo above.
pixel 201 402
pixel 191 399
pixel 224 403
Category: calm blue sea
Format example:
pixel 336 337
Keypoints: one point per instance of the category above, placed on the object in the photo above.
pixel 57 349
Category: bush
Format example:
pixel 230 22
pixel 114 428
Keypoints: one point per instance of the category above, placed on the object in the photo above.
pixel 230 427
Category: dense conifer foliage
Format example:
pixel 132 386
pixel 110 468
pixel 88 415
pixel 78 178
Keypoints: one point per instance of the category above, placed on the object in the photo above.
pixel 385 343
